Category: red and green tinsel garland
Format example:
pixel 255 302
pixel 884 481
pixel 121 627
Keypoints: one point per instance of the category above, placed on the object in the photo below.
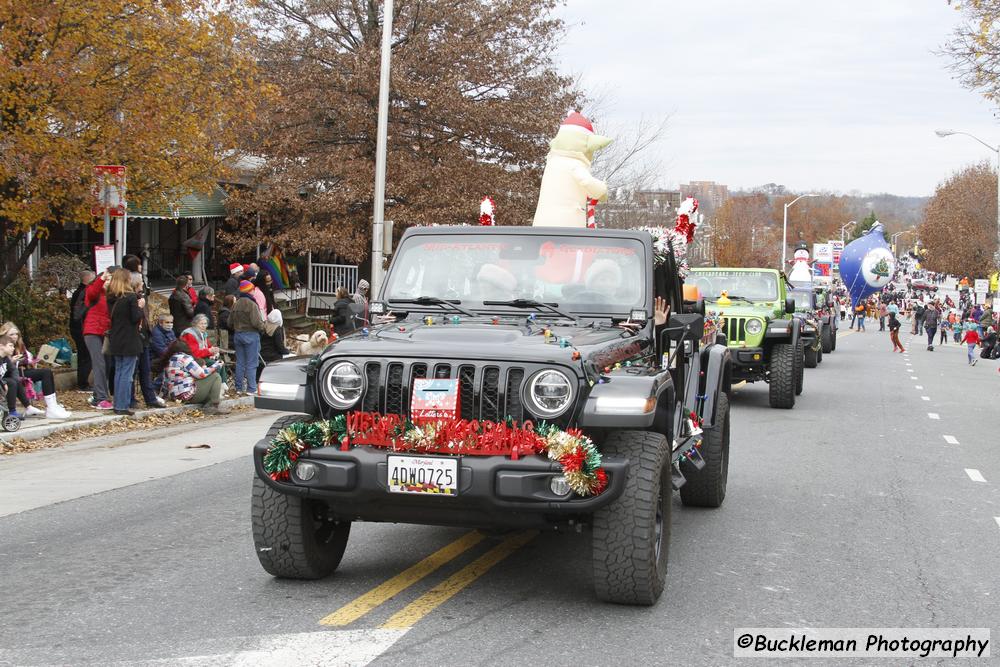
pixel 571 449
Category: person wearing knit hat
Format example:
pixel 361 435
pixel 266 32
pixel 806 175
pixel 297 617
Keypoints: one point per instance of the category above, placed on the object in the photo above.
pixel 360 296
pixel 567 183
pixel 232 285
pixel 248 325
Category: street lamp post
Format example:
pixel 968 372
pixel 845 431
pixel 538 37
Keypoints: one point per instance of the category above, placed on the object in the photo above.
pixel 995 149
pixel 784 228
pixel 897 235
pixel 842 228
pixel 381 132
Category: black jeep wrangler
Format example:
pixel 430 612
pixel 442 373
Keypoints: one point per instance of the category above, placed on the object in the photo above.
pixel 544 336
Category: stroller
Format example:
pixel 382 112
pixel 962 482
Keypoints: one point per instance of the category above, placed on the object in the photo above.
pixel 990 348
pixel 10 422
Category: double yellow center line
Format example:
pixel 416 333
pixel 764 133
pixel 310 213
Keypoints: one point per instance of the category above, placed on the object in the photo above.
pixel 439 594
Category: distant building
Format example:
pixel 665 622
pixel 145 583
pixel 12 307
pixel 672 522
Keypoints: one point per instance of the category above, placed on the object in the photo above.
pixel 639 208
pixel 710 195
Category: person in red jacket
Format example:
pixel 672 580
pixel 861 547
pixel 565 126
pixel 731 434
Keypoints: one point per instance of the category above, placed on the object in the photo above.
pixel 971 338
pixel 96 322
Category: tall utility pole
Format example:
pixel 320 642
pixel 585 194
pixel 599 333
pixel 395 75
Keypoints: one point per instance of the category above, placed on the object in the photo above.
pixel 380 150
pixel 784 228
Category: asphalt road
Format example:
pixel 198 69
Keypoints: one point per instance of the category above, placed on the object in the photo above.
pixel 862 507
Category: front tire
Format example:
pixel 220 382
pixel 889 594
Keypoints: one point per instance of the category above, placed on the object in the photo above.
pixel 707 487
pixel 631 536
pixel 810 357
pixel 800 367
pixel 293 536
pixel 781 383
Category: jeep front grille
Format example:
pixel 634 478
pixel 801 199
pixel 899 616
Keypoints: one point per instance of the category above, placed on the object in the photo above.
pixel 491 393
pixel 736 328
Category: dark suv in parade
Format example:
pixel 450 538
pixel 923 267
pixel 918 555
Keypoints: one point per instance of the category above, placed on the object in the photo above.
pixel 511 377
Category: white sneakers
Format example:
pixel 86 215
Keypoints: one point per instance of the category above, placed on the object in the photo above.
pixel 55 411
pixel 31 411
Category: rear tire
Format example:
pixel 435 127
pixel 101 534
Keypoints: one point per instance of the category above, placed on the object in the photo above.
pixel 293 536
pixel 631 536
pixel 781 383
pixel 826 339
pixel 707 487
pixel 833 340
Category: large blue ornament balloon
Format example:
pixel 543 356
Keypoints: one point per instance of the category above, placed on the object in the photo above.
pixel 867 264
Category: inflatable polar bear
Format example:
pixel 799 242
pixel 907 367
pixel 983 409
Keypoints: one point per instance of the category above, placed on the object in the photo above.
pixel 567 182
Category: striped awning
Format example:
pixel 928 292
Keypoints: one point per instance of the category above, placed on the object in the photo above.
pixel 198 205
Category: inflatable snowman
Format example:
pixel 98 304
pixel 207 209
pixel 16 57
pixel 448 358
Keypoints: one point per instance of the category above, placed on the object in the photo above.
pixel 567 183
pixel 801 274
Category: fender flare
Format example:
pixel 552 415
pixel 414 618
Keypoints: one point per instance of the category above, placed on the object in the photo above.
pixel 717 362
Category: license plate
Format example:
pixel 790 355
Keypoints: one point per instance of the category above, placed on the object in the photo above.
pixel 423 475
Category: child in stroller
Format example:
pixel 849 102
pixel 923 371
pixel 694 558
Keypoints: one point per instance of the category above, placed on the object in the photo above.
pixel 9 382
pixel 990 348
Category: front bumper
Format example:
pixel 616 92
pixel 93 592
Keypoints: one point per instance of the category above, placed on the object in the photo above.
pixel 494 491
pixel 749 363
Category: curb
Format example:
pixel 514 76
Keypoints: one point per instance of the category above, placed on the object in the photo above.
pixel 49 429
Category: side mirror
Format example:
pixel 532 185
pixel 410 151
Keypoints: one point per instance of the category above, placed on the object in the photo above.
pixel 789 305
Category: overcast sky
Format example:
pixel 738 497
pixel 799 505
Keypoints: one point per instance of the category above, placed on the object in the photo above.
pixel 839 95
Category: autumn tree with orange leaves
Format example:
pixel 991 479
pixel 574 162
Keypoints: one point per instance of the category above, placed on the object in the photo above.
pixel 164 88
pixel 959 226
pixel 474 99
pixel 744 233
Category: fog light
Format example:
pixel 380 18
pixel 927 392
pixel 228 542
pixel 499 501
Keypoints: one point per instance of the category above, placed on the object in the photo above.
pixel 559 486
pixel 756 357
pixel 305 470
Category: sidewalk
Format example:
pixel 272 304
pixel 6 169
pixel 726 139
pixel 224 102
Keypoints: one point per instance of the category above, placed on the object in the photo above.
pixel 33 428
pixel 95 465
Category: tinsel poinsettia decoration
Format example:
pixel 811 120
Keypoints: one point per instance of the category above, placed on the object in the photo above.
pixel 664 239
pixel 571 449
pixel 486 209
pixel 677 238
pixel 684 225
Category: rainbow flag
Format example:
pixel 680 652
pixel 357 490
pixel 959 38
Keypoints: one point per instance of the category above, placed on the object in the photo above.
pixel 274 263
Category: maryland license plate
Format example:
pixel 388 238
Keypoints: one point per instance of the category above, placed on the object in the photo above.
pixel 423 474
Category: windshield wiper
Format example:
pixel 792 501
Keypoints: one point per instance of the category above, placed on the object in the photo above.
pixel 435 301
pixel 732 297
pixel 531 303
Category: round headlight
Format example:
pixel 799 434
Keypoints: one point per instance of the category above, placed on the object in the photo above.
pixel 550 393
pixel 754 327
pixel 342 385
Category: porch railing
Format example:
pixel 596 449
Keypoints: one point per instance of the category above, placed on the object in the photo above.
pixel 326 278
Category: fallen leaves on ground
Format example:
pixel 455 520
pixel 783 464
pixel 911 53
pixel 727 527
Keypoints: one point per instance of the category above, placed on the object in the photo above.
pixel 144 423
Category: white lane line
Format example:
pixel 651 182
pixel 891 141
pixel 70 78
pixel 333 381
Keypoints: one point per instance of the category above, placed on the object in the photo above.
pixel 918 386
pixel 997 519
pixel 933 415
pixel 914 377
pixel 950 439
pixel 975 475
pixel 340 648
pixel 925 398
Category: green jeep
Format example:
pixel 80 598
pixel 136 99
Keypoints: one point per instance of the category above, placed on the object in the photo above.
pixel 766 343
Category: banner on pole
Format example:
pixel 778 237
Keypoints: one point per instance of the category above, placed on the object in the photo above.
pixel 836 247
pixel 822 252
pixel 109 190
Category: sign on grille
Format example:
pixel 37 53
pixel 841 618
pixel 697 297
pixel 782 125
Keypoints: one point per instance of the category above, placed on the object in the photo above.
pixel 435 399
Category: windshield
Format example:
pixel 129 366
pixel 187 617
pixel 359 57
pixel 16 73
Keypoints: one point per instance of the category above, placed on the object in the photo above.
pixel 803 298
pixel 581 274
pixel 752 285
